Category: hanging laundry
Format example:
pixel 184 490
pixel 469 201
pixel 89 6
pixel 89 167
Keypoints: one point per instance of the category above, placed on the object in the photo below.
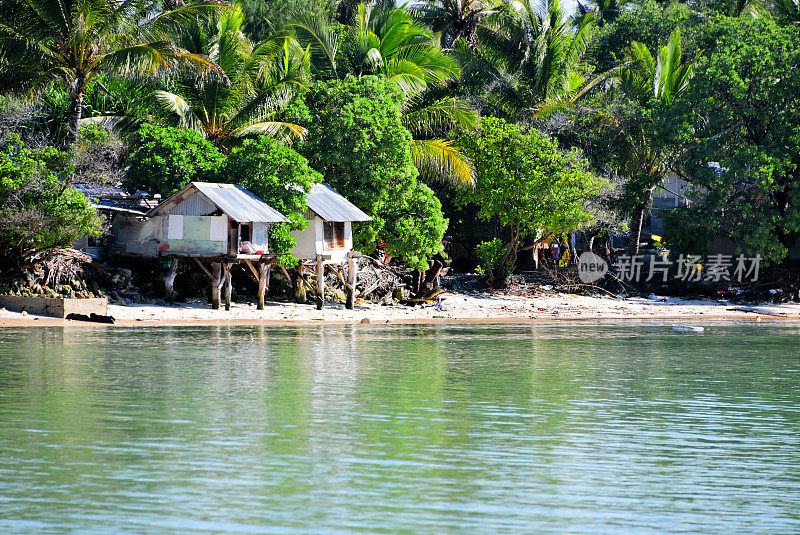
pixel 564 262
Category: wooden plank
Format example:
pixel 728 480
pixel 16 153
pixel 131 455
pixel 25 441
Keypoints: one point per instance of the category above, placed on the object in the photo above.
pixel 337 270
pixel 217 269
pixel 205 270
pixel 320 282
pixel 252 268
pixel 263 283
pixel 221 280
pixel 228 286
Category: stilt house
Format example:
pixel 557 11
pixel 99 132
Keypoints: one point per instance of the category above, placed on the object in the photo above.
pixel 207 219
pixel 328 239
pixel 223 224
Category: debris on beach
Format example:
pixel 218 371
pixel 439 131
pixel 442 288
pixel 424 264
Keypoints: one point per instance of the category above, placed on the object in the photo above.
pixel 688 329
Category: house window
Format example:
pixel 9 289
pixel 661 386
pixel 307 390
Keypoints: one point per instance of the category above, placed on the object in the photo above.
pixel 244 233
pixel 334 235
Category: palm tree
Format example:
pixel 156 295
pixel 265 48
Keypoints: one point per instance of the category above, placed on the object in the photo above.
pixel 644 79
pixel 528 61
pixel 392 43
pixel 257 83
pixel 456 19
pixel 74 41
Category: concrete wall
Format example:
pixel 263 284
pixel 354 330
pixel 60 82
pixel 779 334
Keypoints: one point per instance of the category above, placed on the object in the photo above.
pixel 59 307
pixel 260 239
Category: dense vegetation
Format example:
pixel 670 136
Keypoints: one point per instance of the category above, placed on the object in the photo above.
pixel 513 112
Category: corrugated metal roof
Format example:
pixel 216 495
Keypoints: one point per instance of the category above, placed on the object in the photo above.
pixel 95 191
pixel 102 205
pixel 235 201
pixel 330 206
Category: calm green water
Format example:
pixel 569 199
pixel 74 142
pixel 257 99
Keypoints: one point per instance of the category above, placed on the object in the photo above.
pixel 339 429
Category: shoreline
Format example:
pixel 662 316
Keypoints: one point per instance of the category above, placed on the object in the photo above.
pixel 473 308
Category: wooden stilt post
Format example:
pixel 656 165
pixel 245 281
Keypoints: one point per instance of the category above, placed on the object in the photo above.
pixel 228 286
pixel 350 287
pixel 263 275
pixel 216 269
pixel 169 280
pixel 299 287
pixel 320 282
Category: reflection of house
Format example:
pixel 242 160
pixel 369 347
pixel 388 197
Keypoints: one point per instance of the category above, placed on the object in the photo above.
pixel 329 232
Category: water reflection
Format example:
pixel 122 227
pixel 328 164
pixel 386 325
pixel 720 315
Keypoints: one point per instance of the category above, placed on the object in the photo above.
pixel 345 429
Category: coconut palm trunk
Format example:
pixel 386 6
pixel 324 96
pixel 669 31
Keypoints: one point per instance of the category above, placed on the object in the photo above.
pixel 76 91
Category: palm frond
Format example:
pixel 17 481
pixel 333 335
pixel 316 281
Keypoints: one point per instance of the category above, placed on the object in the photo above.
pixel 441 115
pixel 274 129
pixel 439 160
pixel 179 109
pixel 151 59
pixel 317 34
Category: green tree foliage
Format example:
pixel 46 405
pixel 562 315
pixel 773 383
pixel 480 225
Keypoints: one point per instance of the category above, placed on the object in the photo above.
pixel 603 11
pixel 257 82
pixel 456 19
pixel 281 177
pixel 787 11
pixel 358 142
pixel 262 18
pixel 167 159
pixel 74 41
pixel 745 101
pixel 648 23
pixel 532 187
pixel 529 61
pixel 38 209
pixel 390 42
pixel 643 143
pixel 413 224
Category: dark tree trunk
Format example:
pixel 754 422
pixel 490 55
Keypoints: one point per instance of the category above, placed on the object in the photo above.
pixel 637 217
pixel 498 277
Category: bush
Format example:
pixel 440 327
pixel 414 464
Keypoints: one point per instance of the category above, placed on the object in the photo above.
pixel 39 210
pixel 358 142
pixel 490 253
pixel 167 159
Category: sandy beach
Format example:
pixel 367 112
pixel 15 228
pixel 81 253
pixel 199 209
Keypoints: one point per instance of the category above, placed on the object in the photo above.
pixel 454 307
